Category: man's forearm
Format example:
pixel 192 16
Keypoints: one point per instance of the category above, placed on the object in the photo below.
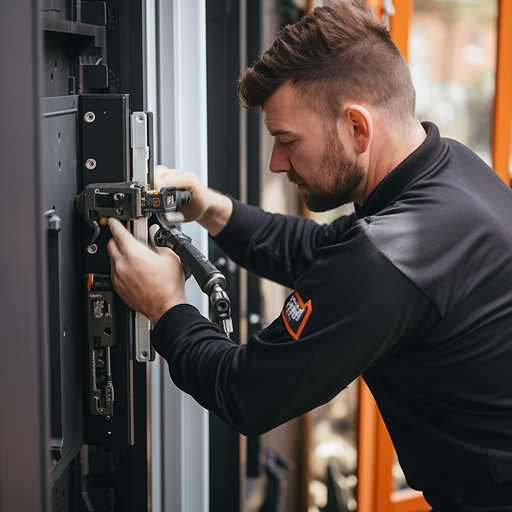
pixel 218 213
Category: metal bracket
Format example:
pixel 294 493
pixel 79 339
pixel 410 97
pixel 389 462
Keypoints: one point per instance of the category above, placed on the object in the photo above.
pixel 140 165
pixel 102 336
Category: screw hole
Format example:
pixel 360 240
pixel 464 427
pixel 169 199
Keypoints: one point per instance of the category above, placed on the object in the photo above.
pixel 60 168
pixel 51 77
pixel 59 136
pixel 55 64
pixel 105 112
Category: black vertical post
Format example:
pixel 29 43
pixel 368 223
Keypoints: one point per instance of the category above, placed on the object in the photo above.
pixel 131 48
pixel 24 422
pixel 223 59
pixel 254 23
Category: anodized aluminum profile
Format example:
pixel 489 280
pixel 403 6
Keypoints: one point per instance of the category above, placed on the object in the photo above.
pixel 140 161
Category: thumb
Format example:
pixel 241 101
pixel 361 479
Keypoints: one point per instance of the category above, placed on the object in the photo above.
pixel 121 235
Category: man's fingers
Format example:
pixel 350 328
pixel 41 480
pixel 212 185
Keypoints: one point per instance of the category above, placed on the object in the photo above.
pixel 164 176
pixel 180 180
pixel 174 178
pixel 152 232
pixel 121 235
pixel 162 168
pixel 112 249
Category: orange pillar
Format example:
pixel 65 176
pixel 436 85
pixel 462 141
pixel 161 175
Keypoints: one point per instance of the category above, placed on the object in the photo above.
pixel 400 25
pixel 367 449
pixel 378 5
pixel 385 458
pixel 503 99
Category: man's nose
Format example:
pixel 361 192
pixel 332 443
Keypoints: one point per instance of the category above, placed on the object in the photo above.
pixel 279 161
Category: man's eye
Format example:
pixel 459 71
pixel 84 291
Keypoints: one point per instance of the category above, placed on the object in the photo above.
pixel 287 141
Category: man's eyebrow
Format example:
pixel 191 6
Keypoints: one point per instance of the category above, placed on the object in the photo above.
pixel 279 132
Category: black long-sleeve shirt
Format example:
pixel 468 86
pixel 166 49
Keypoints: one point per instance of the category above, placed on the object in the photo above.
pixel 413 292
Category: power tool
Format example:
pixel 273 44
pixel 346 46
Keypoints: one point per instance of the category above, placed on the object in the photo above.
pixel 131 201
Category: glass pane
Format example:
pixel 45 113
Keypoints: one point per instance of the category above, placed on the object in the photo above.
pixel 452 53
pixel 452 56
pixel 333 466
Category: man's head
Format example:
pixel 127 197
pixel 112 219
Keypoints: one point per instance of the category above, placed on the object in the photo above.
pixel 341 178
pixel 339 100
pixel 337 54
pixel 313 152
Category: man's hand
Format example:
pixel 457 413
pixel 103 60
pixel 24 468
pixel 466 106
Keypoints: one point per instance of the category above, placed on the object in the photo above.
pixel 150 281
pixel 198 205
pixel 211 209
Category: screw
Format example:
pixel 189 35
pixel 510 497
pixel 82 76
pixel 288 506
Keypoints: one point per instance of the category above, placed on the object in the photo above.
pixel 140 118
pixel 119 211
pixel 92 249
pixel 144 354
pixel 90 164
pixel 107 417
pixel 89 117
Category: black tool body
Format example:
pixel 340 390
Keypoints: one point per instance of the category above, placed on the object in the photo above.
pixel 209 278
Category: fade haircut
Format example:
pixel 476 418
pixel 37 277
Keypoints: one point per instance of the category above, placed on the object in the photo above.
pixel 338 53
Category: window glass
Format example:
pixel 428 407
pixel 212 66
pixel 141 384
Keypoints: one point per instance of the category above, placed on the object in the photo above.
pixel 452 57
pixel 452 53
pixel 334 458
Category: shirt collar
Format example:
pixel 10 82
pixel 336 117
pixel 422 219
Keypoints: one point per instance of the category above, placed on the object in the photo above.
pixel 418 162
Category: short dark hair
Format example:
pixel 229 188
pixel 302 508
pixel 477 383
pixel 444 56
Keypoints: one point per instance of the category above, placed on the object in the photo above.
pixel 338 53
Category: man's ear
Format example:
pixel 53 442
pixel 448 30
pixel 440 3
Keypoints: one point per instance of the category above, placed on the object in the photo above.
pixel 359 122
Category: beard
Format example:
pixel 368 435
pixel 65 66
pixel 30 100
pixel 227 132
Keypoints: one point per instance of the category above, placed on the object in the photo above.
pixel 339 178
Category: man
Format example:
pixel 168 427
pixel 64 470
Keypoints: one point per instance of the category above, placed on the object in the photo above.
pixel 413 291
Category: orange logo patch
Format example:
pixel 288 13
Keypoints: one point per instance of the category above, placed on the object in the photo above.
pixel 295 314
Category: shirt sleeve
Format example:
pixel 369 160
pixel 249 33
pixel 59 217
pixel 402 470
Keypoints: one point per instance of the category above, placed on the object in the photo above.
pixel 278 247
pixel 351 310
